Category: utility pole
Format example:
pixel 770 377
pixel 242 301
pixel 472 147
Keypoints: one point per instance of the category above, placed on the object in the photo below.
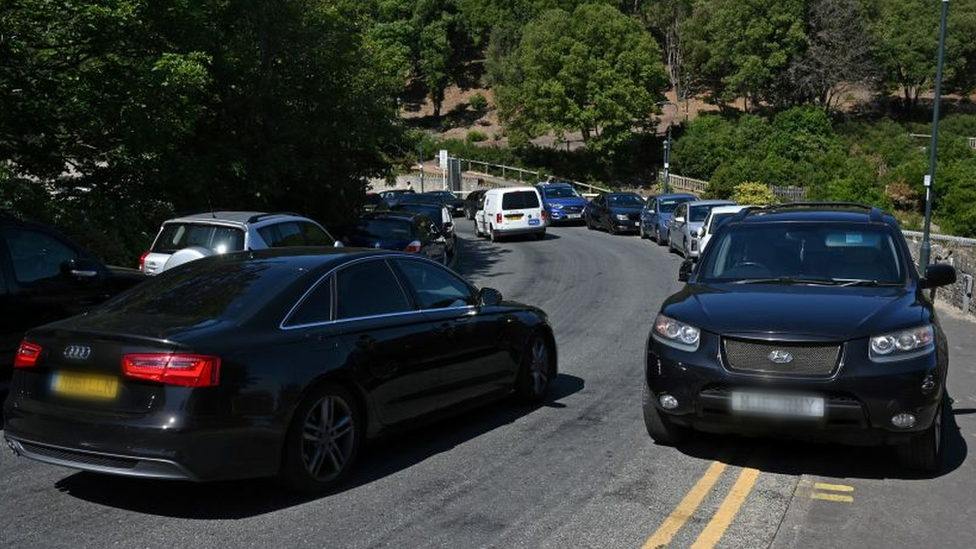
pixel 926 249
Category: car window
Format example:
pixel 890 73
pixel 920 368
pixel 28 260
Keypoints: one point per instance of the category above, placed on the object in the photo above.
pixel 35 255
pixel 435 287
pixel 423 229
pixel 176 236
pixel 699 213
pixel 561 192
pixel 368 289
pixel 668 205
pixel 282 235
pixel 718 220
pixel 315 235
pixel 316 307
pixel 520 200
pixel 679 211
pixel 625 200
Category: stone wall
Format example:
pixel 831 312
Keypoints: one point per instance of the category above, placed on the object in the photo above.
pixel 959 252
pixel 432 182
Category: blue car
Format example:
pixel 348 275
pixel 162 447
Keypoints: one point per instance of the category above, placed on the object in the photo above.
pixel 657 213
pixel 562 202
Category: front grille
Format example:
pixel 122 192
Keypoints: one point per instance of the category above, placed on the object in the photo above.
pixel 634 217
pixel 808 359
pixel 572 209
pixel 81 458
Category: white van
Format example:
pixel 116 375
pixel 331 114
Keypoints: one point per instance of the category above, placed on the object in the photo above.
pixel 511 211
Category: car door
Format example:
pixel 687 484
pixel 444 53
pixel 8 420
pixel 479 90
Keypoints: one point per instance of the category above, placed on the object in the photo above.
pixel 387 340
pixel 466 340
pixel 677 223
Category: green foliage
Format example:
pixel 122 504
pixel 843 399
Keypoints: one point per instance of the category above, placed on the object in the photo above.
pixel 753 194
pixel 475 136
pixel 478 102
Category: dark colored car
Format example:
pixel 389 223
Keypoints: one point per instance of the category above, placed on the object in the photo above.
pixel 657 213
pixel 44 276
pixel 614 212
pixel 372 202
pixel 392 198
pixel 399 231
pixel 449 199
pixel 472 202
pixel 273 362
pixel 808 321
pixel 562 202
pixel 434 212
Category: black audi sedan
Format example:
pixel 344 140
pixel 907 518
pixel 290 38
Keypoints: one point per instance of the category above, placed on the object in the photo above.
pixel 274 362
pixel 803 320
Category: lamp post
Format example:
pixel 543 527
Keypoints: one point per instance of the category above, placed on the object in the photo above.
pixel 666 184
pixel 926 248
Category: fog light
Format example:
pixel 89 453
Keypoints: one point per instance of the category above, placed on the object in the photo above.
pixel 928 384
pixel 668 402
pixel 903 420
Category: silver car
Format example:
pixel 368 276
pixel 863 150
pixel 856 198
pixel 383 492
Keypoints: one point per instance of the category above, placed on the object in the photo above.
pixel 685 222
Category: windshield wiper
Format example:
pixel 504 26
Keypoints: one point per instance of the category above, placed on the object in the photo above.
pixel 865 282
pixel 788 280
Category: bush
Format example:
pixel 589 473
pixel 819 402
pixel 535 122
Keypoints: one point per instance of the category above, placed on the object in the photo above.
pixel 475 136
pixel 478 102
pixel 754 194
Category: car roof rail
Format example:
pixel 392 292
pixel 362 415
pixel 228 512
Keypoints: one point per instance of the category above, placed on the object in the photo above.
pixel 259 217
pixel 873 211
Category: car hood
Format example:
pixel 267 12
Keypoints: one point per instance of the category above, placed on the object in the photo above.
pixel 566 201
pixel 829 313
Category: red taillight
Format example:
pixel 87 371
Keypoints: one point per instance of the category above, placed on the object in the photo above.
pixel 142 261
pixel 173 369
pixel 27 355
pixel 498 218
pixel 413 247
pixel 544 215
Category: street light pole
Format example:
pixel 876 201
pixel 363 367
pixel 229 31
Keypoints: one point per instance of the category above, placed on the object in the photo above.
pixel 926 249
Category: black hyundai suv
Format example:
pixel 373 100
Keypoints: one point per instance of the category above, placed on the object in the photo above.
pixel 803 320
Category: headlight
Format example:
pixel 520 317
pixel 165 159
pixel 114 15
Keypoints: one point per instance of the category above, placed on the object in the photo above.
pixel 622 217
pixel 902 345
pixel 676 334
pixel 556 205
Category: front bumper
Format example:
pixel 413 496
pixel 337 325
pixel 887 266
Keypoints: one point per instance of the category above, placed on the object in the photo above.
pixel 565 215
pixel 631 225
pixel 860 398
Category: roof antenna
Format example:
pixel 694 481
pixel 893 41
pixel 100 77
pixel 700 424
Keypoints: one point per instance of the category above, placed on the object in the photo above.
pixel 213 214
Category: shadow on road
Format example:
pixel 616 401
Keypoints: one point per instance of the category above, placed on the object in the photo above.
pixel 793 457
pixel 242 499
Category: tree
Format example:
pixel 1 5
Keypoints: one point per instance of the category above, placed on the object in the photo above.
pixel 664 18
pixel 754 194
pixel 435 61
pixel 594 70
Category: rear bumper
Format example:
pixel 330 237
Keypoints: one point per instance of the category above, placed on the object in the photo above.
pixel 100 462
pixel 520 230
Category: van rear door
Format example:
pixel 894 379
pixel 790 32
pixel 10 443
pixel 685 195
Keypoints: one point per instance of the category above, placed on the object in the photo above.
pixel 521 209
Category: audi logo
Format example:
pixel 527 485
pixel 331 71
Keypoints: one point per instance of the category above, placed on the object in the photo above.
pixel 77 352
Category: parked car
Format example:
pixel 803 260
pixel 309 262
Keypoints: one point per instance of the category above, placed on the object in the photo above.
pixel 44 276
pixel 454 204
pixel 657 213
pixel 614 212
pixel 716 218
pixel 685 222
pixel 392 197
pixel 277 362
pixel 806 321
pixel 437 213
pixel 562 202
pixel 511 211
pixel 472 203
pixel 399 231
pixel 372 202
pixel 192 237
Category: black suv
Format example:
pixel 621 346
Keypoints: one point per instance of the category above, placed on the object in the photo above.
pixel 46 277
pixel 804 320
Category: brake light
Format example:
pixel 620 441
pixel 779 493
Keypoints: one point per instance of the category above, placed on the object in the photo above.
pixel 413 247
pixel 544 215
pixel 27 355
pixel 179 369
pixel 142 261
pixel 498 218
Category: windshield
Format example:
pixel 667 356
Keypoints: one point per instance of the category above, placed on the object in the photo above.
pixel 717 220
pixel 443 194
pixel 625 200
pixel 834 253
pixel 520 200
pixel 560 192
pixel 384 229
pixel 698 214
pixel 668 205
pixel 176 236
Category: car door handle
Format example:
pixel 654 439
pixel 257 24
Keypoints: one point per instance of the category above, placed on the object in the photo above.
pixel 366 342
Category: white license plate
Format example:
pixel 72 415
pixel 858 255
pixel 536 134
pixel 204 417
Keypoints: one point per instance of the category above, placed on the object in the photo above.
pixel 575 216
pixel 777 405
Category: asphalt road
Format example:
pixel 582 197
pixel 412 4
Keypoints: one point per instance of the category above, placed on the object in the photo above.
pixel 578 471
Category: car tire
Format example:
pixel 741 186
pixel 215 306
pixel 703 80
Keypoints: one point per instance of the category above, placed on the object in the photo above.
pixel 477 230
pixel 641 230
pixel 612 229
pixel 924 451
pixel 670 245
pixel 536 371
pixel 303 458
pixel 589 224
pixel 493 233
pixel 540 236
pixel 659 427
pixel 658 238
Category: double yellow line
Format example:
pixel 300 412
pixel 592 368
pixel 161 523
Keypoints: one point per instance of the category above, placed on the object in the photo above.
pixel 722 518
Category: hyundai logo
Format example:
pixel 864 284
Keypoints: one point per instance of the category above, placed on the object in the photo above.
pixel 77 352
pixel 780 357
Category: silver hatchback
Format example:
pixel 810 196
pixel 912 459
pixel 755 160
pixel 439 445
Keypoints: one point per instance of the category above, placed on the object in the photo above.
pixel 685 222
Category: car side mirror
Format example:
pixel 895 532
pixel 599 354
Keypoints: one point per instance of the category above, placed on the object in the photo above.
pixel 684 272
pixel 338 244
pixel 489 297
pixel 938 274
pixel 700 233
pixel 81 267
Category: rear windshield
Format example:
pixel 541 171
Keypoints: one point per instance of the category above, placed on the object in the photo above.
pixel 824 252
pixel 520 200
pixel 384 229
pixel 176 236
pixel 435 213
pixel 560 192
pixel 625 200
pixel 373 199
pixel 206 289
pixel 668 205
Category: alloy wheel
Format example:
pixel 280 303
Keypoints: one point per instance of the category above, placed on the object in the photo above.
pixel 539 367
pixel 328 438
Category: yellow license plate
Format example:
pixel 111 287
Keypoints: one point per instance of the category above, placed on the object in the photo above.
pixel 85 385
pixel 513 216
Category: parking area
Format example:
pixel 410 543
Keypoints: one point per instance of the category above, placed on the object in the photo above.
pixel 576 471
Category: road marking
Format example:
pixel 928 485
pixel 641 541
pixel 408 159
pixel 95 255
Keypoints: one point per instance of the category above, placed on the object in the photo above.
pixel 840 498
pixel 665 533
pixel 832 487
pixel 727 511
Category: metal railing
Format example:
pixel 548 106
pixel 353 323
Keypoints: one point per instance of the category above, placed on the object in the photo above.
pixel 699 186
pixel 527 177
pixel 970 140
